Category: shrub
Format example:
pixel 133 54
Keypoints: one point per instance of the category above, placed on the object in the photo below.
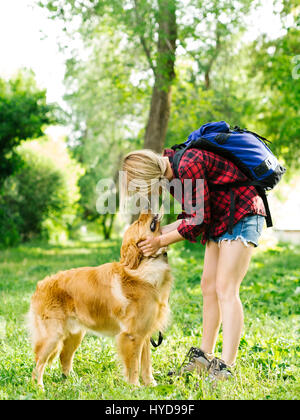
pixel 9 231
pixel 40 199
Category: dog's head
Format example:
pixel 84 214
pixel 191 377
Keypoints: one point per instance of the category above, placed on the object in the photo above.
pixel 147 225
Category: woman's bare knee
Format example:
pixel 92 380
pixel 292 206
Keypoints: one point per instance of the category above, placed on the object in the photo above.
pixel 226 291
pixel 208 285
pixel 208 280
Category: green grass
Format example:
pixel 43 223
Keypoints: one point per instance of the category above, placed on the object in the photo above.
pixel 267 362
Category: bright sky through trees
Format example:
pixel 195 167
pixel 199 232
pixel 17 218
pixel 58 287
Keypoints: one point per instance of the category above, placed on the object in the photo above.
pixel 23 44
pixel 29 39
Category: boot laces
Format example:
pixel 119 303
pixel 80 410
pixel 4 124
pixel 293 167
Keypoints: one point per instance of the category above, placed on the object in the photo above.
pixel 218 365
pixel 193 353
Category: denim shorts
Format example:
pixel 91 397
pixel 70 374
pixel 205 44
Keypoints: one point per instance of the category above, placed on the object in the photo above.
pixel 248 230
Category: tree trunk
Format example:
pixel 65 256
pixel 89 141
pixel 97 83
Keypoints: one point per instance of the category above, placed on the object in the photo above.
pixel 207 79
pixel 158 119
pixel 164 73
pixel 107 222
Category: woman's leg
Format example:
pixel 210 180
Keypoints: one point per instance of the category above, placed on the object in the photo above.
pixel 233 263
pixel 211 308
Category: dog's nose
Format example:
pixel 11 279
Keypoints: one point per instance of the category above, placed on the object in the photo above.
pixel 159 217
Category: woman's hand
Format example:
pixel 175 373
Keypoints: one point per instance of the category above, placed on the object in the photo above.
pixel 150 246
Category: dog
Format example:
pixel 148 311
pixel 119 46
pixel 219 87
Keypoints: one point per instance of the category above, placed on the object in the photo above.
pixel 126 299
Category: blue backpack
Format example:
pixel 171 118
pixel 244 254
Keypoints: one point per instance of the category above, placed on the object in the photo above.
pixel 246 149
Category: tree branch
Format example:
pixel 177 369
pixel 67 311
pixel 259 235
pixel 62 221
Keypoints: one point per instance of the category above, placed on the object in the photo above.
pixel 142 38
pixel 213 59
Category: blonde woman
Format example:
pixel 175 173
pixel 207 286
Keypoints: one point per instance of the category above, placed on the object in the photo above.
pixel 227 256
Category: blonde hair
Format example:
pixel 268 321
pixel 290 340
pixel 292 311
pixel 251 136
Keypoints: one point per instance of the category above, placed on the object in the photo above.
pixel 145 172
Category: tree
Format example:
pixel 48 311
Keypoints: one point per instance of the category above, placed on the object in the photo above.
pixel 108 108
pixel 274 66
pixel 156 28
pixel 210 31
pixel 164 73
pixel 23 114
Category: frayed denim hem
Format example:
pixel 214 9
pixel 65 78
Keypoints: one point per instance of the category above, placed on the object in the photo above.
pixel 247 230
pixel 244 241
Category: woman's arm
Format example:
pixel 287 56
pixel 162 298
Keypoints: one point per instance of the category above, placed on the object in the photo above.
pixel 170 238
pixel 169 228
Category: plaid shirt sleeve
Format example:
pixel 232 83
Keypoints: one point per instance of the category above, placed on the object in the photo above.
pixel 196 199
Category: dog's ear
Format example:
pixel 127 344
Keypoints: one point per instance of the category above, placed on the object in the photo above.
pixel 131 255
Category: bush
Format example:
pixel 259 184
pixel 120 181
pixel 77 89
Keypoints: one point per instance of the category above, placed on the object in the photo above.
pixel 23 114
pixel 9 232
pixel 40 200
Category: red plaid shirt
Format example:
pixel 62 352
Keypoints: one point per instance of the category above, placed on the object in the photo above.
pixel 201 164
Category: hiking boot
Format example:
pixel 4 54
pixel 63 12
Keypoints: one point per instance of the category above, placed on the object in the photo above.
pixel 219 371
pixel 195 360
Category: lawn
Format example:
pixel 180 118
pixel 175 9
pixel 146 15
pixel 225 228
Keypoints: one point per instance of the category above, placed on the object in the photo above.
pixel 267 363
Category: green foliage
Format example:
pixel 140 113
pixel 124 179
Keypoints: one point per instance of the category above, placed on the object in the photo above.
pixel 275 63
pixel 112 84
pixel 108 107
pixel 23 113
pixel 109 89
pixel 41 197
pixel 267 365
pixel 9 225
pixel 99 165
pixel 217 75
pixel 207 30
pixel 111 73
pixel 194 105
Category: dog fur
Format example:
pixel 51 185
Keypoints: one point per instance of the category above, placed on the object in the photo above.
pixel 126 299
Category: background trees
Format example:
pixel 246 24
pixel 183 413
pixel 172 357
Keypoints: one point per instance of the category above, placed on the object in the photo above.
pixel 38 179
pixel 132 53
pixel 145 74
pixel 276 68
pixel 40 198
pixel 154 30
pixel 23 113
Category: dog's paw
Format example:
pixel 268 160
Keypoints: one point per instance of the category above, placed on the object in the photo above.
pixel 136 384
pixel 66 374
pixel 153 383
pixel 150 382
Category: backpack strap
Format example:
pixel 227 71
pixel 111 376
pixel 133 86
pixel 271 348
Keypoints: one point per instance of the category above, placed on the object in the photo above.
pixel 261 192
pixel 176 160
pixel 181 149
pixel 263 195
pixel 244 130
pixel 178 146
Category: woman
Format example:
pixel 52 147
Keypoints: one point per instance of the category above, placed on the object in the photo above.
pixel 227 256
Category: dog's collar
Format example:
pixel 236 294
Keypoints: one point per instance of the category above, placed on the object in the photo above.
pixel 164 254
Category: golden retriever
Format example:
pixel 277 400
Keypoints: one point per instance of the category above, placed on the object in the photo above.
pixel 126 299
